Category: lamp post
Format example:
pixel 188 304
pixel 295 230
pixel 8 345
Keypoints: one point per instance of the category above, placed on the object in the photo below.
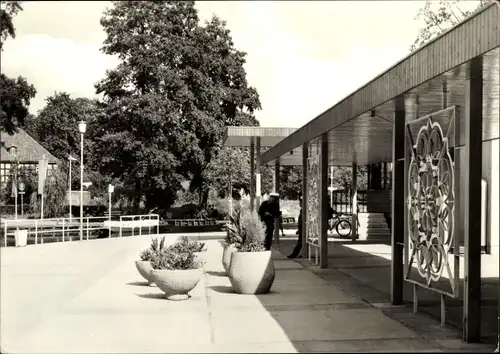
pixel 82 127
pixel 21 191
pixel 13 151
pixel 70 158
pixel 111 189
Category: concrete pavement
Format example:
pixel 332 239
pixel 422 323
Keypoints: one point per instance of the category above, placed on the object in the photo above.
pixel 87 297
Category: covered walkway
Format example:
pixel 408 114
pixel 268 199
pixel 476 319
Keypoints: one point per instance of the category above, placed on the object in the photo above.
pixel 87 297
pixel 434 116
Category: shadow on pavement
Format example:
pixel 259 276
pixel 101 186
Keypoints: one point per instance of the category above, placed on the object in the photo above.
pixel 138 283
pixel 363 270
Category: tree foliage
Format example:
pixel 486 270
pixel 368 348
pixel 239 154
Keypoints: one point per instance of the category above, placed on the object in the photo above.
pixel 177 85
pixel 56 129
pixel 438 17
pixel 8 9
pixel 56 125
pixel 231 168
pixel 16 93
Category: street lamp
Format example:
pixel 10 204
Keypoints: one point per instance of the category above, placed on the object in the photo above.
pixel 70 158
pixel 82 127
pixel 21 191
pixel 13 151
pixel 111 189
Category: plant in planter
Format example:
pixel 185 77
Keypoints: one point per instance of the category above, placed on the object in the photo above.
pixel 176 272
pixel 251 269
pixel 233 237
pixel 144 264
pixel 192 245
pixel 187 245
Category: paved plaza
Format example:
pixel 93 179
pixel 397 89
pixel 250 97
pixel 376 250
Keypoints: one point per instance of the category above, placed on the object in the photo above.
pixel 87 297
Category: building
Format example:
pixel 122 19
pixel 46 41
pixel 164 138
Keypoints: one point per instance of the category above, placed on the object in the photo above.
pixel 29 152
pixel 434 116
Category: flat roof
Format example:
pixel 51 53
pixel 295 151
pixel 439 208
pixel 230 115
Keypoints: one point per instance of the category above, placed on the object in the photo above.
pixel 240 136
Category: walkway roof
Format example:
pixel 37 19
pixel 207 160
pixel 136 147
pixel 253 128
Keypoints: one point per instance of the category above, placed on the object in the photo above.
pixel 360 126
pixel 241 136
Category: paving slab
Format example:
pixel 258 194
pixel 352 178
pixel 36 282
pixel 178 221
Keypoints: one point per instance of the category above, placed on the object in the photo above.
pixel 111 333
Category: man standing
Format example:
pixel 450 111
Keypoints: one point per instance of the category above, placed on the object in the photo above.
pixel 298 247
pixel 268 211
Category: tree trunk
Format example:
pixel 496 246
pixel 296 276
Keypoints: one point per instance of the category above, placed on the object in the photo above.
pixel 204 198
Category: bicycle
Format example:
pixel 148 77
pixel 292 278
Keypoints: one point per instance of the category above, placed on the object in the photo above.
pixel 341 225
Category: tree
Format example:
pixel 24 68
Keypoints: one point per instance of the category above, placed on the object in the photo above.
pixel 439 17
pixel 56 129
pixel 56 125
pixel 16 93
pixel 177 86
pixel 229 170
pixel 8 10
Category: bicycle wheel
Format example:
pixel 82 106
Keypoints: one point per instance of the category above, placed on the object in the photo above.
pixel 343 228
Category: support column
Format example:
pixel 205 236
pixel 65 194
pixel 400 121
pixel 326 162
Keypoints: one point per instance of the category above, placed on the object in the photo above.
pixel 305 155
pixel 368 177
pixel 257 174
pixel 398 202
pixel 376 174
pixel 471 169
pixel 323 194
pixel 252 173
pixel 354 202
pixel 384 181
pixel 277 175
pixel 277 189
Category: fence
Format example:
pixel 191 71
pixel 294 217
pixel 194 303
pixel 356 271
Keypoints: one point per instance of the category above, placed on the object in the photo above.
pixel 138 221
pixel 69 229
pixel 342 201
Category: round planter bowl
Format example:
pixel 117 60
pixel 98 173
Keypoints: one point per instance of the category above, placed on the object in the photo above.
pixel 176 284
pixel 251 272
pixel 144 268
pixel 226 256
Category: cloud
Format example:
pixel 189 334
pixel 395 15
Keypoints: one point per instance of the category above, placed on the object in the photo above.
pixel 52 64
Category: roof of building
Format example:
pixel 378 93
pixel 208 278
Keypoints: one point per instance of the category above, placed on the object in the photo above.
pixel 241 136
pixel 29 150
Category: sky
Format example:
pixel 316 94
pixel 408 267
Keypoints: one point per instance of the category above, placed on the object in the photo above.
pixel 302 56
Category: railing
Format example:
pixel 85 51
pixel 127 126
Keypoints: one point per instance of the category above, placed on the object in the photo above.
pixel 342 201
pixel 139 221
pixel 69 229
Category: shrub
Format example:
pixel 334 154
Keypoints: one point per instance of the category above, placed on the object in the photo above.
pixel 171 259
pixel 187 245
pixel 245 231
pixel 155 248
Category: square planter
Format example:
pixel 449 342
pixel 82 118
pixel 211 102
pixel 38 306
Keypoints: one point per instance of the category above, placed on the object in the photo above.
pixel 21 237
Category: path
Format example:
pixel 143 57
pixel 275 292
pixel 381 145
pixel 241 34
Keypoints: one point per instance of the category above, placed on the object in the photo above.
pixel 87 297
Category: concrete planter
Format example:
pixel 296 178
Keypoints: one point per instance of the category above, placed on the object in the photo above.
pixel 251 272
pixel 226 256
pixel 176 284
pixel 144 268
pixel 21 237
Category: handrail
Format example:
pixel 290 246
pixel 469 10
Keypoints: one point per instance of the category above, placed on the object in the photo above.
pixel 62 228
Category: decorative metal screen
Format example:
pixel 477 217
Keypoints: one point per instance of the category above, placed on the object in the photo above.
pixel 430 200
pixel 313 200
